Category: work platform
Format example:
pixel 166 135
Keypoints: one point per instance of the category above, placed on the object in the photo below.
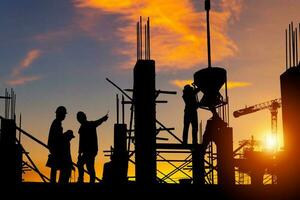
pixel 175 146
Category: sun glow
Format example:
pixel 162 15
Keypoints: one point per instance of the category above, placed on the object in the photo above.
pixel 271 142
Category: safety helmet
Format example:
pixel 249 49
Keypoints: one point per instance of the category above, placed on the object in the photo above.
pixel 61 110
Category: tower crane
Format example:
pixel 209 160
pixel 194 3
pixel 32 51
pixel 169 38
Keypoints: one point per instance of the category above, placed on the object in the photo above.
pixel 272 105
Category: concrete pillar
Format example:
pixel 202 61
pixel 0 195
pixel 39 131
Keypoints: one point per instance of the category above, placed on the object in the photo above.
pixel 120 154
pixel 10 169
pixel 145 121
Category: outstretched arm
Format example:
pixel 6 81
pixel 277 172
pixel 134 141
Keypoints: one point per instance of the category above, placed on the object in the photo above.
pixel 98 122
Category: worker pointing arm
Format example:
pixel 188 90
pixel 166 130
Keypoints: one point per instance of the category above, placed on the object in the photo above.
pixel 88 145
pixel 98 122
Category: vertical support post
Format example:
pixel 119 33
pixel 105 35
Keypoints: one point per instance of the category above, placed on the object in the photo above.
pixel 290 92
pixel 145 122
pixel 9 171
pixel 120 154
pixel 224 144
pixel 198 165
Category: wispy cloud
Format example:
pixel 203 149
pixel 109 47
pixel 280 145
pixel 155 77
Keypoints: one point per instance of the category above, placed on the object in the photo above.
pixel 30 57
pixel 178 29
pixel 17 77
pixel 181 83
pixel 54 35
pixel 237 84
pixel 230 84
pixel 21 80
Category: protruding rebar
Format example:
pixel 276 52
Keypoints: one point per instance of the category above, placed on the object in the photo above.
pixel 20 125
pixel 141 37
pixel 146 38
pixel 123 110
pixel 148 34
pixel 137 41
pixel 296 45
pixel 117 105
pixel 286 50
pixel 290 46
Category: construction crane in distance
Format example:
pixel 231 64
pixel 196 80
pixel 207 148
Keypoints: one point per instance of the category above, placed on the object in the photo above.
pixel 272 105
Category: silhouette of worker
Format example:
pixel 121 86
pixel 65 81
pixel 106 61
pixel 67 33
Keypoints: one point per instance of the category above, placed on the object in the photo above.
pixel 67 164
pixel 190 113
pixel 88 145
pixel 55 143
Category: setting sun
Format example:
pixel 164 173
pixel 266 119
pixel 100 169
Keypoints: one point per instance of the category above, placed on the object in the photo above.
pixel 271 142
pixel 109 97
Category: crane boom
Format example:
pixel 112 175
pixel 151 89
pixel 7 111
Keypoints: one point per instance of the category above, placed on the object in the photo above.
pixel 272 105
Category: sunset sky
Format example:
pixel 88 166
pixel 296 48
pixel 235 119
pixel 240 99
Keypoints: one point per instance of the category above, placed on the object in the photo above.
pixel 59 52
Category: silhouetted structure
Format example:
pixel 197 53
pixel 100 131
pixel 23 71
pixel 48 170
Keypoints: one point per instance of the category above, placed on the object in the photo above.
pixel 290 93
pixel 144 114
pixel 88 145
pixel 266 161
pixel 10 151
pixel 212 161
pixel 10 168
pixel 115 170
pixel 209 81
pixel 145 137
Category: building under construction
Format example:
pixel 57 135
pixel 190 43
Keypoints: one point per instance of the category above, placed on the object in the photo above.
pixel 212 167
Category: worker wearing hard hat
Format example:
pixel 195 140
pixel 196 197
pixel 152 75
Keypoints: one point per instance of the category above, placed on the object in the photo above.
pixel 190 113
pixel 55 143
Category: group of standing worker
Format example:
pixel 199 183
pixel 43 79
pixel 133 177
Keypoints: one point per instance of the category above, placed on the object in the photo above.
pixel 59 146
pixel 59 141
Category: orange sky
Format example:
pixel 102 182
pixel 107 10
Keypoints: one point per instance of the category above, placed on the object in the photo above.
pixel 247 40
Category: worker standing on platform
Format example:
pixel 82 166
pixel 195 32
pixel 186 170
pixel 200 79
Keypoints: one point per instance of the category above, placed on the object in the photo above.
pixel 190 113
pixel 55 143
pixel 88 145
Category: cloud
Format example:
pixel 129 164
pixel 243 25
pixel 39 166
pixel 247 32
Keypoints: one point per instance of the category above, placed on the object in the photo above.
pixel 31 56
pixel 17 77
pixel 54 35
pixel 230 84
pixel 234 7
pixel 181 83
pixel 178 30
pixel 236 84
pixel 22 80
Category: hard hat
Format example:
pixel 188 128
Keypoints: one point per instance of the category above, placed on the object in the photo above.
pixel 61 109
pixel 187 87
